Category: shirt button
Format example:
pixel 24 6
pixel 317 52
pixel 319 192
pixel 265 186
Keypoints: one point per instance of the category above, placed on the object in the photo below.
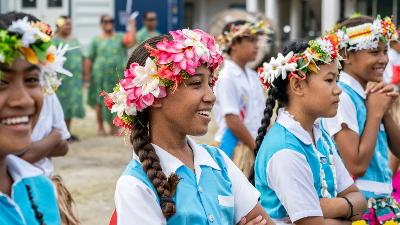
pixel 200 189
pixel 211 218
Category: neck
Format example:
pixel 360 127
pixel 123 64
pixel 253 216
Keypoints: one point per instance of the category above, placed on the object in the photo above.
pixel 63 36
pixel 242 63
pixel 108 33
pixel 5 178
pixel 306 120
pixel 168 138
pixel 355 76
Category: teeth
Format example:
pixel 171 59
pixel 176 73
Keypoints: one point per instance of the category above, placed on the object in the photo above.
pixel 204 113
pixel 15 120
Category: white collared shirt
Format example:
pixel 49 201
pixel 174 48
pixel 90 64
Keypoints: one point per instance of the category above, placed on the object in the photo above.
pixel 51 116
pixel 347 112
pixel 296 172
pixel 238 92
pixel 137 202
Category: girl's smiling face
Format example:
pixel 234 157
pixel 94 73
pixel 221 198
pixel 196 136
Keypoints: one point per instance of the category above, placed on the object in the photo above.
pixel 21 100
pixel 367 65
pixel 188 109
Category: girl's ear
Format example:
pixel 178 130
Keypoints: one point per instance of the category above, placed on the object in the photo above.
pixel 157 103
pixel 297 86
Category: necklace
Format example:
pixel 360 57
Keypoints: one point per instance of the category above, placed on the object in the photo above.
pixel 38 215
pixel 324 185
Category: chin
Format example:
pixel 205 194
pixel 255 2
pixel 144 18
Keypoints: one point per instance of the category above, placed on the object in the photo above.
pixel 331 113
pixel 198 131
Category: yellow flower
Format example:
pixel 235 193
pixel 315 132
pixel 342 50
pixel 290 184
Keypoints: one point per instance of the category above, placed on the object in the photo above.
pixel 360 222
pixel 391 222
pixel 30 55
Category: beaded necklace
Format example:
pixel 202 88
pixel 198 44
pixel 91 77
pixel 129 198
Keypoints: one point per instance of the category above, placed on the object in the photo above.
pixel 324 185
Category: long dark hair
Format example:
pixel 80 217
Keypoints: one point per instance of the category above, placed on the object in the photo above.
pixel 277 93
pixel 141 141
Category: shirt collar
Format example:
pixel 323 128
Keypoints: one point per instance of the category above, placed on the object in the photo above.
pixel 296 129
pixel 353 83
pixel 170 163
pixel 19 168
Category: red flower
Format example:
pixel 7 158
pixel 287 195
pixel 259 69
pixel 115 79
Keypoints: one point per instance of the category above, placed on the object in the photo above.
pixel 108 102
pixel 120 123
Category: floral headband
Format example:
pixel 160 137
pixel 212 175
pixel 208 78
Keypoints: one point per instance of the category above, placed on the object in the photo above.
pixel 243 30
pixel 32 41
pixel 367 35
pixel 322 50
pixel 169 64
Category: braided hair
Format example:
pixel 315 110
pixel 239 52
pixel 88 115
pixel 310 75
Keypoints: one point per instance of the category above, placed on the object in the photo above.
pixel 141 141
pixel 278 93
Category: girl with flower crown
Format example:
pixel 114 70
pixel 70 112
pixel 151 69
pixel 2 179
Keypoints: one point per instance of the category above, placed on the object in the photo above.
pixel 165 96
pixel 363 128
pixel 29 64
pixel 297 169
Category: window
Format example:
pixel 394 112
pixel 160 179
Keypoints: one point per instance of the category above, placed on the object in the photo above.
pixel 28 3
pixel 54 3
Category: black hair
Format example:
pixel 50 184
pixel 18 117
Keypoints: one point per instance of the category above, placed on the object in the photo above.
pixel 140 138
pixel 6 19
pixel 146 14
pixel 227 28
pixel 277 93
pixel 103 16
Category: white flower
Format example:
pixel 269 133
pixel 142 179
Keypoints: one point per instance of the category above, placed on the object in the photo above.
pixel 56 66
pixel 24 28
pixel 147 78
pixel 325 46
pixel 194 40
pixel 277 67
pixel 2 57
pixel 120 106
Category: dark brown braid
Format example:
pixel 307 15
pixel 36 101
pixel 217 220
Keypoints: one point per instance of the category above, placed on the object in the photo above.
pixel 277 93
pixel 141 141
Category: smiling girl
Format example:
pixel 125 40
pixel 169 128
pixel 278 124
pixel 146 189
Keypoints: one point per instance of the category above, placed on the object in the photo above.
pixel 363 128
pixel 29 66
pixel 166 96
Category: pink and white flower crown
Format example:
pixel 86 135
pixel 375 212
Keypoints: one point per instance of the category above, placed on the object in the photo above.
pixel 169 64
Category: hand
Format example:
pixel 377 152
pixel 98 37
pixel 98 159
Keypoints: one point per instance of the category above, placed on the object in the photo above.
pixel 256 221
pixel 379 100
pixel 132 24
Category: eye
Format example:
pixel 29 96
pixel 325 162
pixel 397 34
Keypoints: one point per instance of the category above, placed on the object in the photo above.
pixel 3 84
pixel 32 80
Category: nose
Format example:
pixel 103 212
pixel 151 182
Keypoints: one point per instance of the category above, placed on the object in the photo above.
pixel 384 58
pixel 336 90
pixel 209 95
pixel 19 97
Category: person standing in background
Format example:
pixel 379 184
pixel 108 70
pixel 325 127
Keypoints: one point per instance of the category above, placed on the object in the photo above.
pixel 149 28
pixel 70 92
pixel 106 59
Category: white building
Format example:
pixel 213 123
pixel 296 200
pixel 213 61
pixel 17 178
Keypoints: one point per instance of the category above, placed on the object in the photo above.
pixel 293 18
pixel 85 14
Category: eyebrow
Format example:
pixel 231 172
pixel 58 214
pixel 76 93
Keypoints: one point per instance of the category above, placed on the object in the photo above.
pixel 26 70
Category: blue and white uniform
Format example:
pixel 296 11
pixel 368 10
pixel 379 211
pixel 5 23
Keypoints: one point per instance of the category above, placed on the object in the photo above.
pixel 352 111
pixel 216 192
pixel 17 209
pixel 288 170
pixel 239 92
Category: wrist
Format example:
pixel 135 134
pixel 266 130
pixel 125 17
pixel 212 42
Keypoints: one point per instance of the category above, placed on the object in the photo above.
pixel 350 209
